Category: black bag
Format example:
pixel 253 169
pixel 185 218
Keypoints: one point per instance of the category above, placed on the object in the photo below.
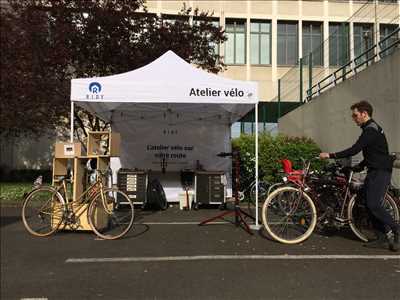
pixel 156 199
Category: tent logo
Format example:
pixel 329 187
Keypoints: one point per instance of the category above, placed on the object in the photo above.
pixel 95 87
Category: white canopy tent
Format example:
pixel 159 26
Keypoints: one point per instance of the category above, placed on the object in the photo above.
pixel 169 109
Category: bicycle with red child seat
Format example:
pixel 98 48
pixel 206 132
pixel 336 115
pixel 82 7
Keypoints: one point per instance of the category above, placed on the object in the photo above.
pixel 308 201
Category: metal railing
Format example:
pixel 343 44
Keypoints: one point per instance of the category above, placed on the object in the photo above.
pixel 339 56
pixel 353 65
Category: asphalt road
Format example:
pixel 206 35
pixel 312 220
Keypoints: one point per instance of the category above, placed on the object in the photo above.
pixel 168 256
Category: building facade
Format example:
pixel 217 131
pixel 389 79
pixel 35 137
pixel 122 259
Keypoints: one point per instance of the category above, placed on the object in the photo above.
pixel 267 38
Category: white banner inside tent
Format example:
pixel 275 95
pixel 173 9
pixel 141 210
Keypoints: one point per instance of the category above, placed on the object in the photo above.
pixel 169 103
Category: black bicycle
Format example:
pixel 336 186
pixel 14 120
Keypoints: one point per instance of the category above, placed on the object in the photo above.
pixel 326 200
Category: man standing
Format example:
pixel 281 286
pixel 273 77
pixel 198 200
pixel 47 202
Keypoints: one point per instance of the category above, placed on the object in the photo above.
pixel 372 142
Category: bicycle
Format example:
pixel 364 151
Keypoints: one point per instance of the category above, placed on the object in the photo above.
pixel 110 212
pixel 292 212
pixel 249 194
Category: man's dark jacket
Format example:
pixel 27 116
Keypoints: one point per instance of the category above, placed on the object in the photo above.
pixel 372 142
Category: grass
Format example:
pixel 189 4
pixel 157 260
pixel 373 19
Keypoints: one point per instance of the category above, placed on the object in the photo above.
pixel 12 193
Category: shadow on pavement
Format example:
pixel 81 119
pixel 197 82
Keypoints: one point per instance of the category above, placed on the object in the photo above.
pixel 7 220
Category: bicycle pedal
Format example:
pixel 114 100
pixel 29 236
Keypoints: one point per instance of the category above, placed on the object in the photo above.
pixel 340 219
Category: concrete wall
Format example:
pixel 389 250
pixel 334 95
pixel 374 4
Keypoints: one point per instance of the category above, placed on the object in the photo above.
pixel 327 118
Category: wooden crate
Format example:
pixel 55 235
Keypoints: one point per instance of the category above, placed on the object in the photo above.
pixel 103 143
pixel 67 150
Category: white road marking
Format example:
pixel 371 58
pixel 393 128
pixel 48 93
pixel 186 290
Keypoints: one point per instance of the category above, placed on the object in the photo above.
pixel 231 257
pixel 177 223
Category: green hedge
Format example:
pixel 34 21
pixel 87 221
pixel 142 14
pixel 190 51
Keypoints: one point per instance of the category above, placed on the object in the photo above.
pixel 13 193
pixel 271 151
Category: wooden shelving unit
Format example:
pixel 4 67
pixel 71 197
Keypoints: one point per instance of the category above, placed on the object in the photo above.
pixel 101 145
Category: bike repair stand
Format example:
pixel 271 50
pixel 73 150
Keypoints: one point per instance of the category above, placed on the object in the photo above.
pixel 237 211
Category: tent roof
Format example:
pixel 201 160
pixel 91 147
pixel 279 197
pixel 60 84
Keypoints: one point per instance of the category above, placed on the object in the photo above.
pixel 167 83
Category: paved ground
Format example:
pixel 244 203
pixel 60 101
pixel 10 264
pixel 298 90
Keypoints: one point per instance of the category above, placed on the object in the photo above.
pixel 184 261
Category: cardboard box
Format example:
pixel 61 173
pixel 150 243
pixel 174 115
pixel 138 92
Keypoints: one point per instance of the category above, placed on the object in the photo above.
pixel 67 150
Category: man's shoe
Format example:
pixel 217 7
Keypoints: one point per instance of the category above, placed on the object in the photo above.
pixel 381 242
pixel 394 244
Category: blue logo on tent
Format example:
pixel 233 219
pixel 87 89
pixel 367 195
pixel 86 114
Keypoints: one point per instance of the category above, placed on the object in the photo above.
pixel 95 87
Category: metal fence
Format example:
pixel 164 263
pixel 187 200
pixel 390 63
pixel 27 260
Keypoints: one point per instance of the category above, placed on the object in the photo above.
pixel 321 69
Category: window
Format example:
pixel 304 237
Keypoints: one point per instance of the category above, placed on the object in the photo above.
pixel 338 43
pixel 363 40
pixel 385 30
pixel 312 42
pixel 235 46
pixel 260 42
pixel 214 22
pixel 287 43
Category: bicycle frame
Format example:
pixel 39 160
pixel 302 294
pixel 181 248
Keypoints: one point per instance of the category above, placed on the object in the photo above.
pixel 77 205
pixel 300 181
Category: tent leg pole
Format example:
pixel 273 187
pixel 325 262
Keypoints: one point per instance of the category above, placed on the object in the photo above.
pixel 256 226
pixel 72 122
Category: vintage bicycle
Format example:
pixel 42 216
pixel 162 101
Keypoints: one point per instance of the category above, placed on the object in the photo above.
pixel 308 201
pixel 248 194
pixel 109 211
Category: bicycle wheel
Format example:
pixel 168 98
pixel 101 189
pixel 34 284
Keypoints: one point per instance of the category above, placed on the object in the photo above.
pixel 359 219
pixel 113 218
pixel 289 215
pixel 42 211
pixel 262 195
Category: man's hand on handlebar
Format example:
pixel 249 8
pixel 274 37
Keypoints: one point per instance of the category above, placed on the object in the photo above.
pixel 324 155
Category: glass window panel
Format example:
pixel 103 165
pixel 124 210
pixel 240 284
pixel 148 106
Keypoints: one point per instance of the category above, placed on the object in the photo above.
pixel 333 52
pixel 265 49
pixel 230 48
pixel 306 45
pixel 291 28
pixel 235 130
pixel 254 49
pixel 287 44
pixel 266 27
pixel 240 48
pixel 332 29
pixel 260 38
pixel 316 42
pixel 357 29
pixel 312 40
pixel 248 127
pixel 317 57
pixel 240 27
pixel 292 50
pixel 254 27
pixel 237 50
pixel 281 28
pixel 338 45
pixel 229 28
pixel 385 30
pixel 316 29
pixel 281 51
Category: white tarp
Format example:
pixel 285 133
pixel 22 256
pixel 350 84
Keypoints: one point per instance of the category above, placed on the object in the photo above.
pixel 168 79
pixel 172 105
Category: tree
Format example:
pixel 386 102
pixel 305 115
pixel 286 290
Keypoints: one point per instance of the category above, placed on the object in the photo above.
pixel 45 43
